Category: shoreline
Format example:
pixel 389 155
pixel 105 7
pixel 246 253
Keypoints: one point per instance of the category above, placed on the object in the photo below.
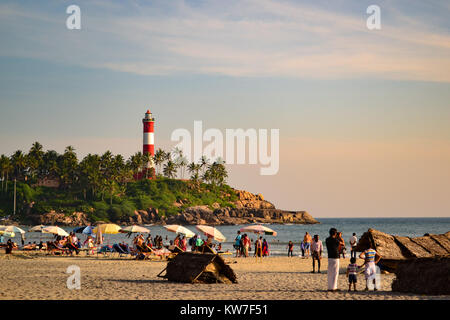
pixel 28 276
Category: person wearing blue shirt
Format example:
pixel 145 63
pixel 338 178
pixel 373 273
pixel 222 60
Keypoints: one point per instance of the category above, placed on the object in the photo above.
pixel 237 244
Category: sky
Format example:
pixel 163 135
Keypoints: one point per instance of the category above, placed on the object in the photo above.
pixel 363 115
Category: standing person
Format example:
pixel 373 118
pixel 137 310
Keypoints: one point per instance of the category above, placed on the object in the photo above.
pixel 258 248
pixel 265 248
pixel 192 242
pixel 342 248
pixel 316 252
pixel 246 242
pixel 302 247
pixel 290 247
pixel 22 235
pixel 307 244
pixel 183 243
pixel 371 258
pixel 198 242
pixel 1 239
pixel 332 243
pixel 237 244
pixel 353 241
pixel 9 247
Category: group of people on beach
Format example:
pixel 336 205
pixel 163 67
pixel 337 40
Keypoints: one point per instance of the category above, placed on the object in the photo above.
pixel 370 256
pixel 243 245
pixel 335 244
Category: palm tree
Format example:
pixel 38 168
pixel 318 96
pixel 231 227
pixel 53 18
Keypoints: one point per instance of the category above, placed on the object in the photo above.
pixel 170 169
pixel 181 163
pixel 194 169
pixel 4 169
pixel 19 164
pixel 50 167
pixel 136 162
pixel 159 158
pixel 204 161
pixel 90 176
pixel 216 174
pixel 35 158
pixel 68 167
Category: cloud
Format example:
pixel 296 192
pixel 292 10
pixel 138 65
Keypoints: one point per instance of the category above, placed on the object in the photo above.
pixel 238 38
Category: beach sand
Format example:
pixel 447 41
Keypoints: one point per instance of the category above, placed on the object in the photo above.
pixel 28 276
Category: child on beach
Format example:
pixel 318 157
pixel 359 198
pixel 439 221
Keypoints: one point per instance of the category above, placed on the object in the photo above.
pixel 371 258
pixel 290 249
pixel 352 271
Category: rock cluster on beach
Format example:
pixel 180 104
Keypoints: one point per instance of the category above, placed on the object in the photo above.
pixel 248 208
pixel 394 249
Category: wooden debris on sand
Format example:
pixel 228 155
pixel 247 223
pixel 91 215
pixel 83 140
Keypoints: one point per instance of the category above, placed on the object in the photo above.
pixel 191 267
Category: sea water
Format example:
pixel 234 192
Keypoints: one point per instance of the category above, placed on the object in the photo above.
pixel 411 227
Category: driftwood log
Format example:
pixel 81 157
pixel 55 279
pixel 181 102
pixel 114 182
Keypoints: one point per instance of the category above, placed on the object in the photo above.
pixel 423 276
pixel 191 267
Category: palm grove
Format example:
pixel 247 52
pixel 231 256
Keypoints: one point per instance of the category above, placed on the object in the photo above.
pixel 104 186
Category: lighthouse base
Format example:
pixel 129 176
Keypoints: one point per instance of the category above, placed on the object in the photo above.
pixel 147 173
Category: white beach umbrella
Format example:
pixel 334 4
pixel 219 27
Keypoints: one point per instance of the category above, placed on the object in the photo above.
pixel 55 230
pixel 180 229
pixel 134 229
pixel 37 228
pixel 212 232
pixel 12 229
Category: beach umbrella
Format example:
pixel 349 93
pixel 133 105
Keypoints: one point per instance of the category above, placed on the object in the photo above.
pixel 37 228
pixel 89 230
pixel 55 230
pixel 212 232
pixel 7 234
pixel 12 229
pixel 79 229
pixel 259 229
pixel 134 229
pixel 180 229
pixel 107 228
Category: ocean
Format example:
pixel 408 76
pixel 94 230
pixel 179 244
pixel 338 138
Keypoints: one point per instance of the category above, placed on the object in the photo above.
pixel 412 227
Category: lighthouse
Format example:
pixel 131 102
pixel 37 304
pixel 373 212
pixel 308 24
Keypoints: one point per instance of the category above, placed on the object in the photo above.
pixel 149 139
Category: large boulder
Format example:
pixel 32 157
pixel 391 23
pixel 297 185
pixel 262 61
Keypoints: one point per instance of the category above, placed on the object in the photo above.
pixel 423 276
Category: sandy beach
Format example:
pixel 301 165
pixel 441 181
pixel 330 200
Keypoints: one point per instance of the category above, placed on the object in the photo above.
pixel 29 276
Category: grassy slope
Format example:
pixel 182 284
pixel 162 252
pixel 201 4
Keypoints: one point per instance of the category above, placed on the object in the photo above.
pixel 140 195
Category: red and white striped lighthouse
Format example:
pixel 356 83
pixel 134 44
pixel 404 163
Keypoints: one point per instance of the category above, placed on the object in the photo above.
pixel 149 139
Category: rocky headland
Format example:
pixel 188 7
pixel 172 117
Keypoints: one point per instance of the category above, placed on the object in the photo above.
pixel 249 208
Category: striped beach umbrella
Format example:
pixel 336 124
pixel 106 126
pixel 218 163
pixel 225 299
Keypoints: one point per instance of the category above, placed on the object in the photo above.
pixel 212 232
pixel 180 229
pixel 259 229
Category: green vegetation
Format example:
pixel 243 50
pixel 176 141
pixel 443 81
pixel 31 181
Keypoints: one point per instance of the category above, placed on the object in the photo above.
pixel 106 187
